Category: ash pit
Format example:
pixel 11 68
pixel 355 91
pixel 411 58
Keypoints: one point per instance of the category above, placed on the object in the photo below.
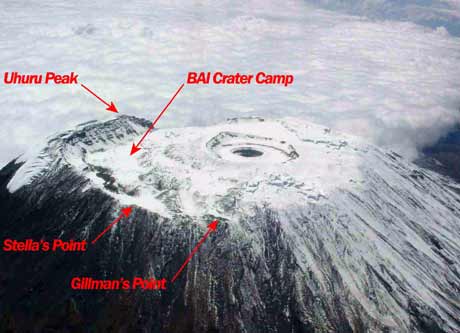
pixel 247 152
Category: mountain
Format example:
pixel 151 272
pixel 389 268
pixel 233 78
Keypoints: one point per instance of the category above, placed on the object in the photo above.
pixel 319 232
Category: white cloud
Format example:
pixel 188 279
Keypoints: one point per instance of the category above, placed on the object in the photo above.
pixel 394 83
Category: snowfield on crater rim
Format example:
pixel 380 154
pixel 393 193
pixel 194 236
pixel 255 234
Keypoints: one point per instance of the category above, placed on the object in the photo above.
pixel 296 161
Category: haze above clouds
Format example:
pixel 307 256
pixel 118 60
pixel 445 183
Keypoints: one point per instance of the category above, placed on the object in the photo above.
pixel 431 13
pixel 395 83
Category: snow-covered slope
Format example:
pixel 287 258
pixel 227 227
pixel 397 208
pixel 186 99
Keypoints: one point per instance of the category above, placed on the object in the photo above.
pixel 356 237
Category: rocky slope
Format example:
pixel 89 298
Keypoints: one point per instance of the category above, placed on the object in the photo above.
pixel 319 232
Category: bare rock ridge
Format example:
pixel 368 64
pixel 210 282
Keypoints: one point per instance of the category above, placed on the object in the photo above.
pixel 319 232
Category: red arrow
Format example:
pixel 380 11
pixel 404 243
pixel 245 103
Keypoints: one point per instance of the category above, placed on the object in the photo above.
pixel 211 227
pixel 110 107
pixel 136 148
pixel 124 212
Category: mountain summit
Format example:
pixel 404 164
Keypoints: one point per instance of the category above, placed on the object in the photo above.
pixel 319 231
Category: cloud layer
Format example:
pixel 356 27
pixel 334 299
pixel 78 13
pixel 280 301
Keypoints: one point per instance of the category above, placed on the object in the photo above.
pixel 395 83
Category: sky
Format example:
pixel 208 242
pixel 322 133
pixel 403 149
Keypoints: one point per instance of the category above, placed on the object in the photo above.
pixel 359 68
